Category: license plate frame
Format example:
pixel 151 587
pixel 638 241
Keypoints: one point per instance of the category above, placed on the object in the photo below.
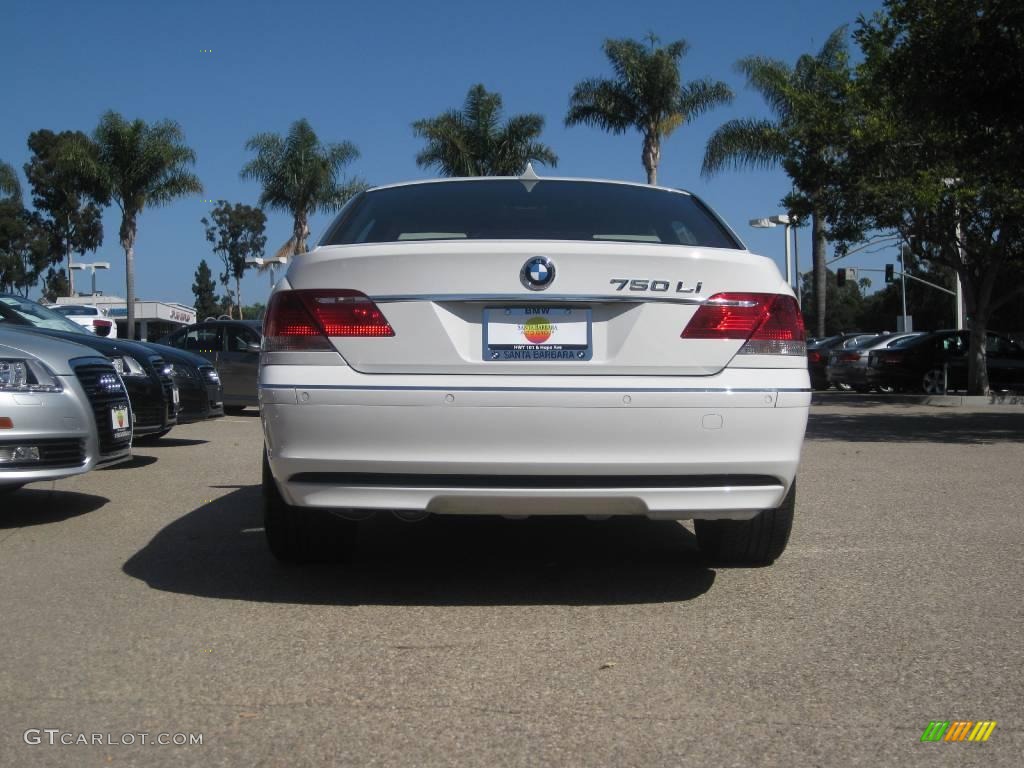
pixel 505 334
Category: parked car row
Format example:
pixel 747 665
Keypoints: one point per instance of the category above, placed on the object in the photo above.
pixel 936 363
pixel 926 362
pixel 131 391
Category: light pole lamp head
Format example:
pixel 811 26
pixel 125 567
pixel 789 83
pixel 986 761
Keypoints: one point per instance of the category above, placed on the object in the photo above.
pixel 781 218
pixel 765 223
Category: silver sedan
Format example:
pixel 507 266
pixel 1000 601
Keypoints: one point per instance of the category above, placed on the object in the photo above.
pixel 63 410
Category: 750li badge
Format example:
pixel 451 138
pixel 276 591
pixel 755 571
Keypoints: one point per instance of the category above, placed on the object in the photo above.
pixel 659 286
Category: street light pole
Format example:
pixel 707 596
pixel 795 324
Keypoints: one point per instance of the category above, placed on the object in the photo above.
pixel 796 269
pixel 773 221
pixel 903 287
pixel 92 268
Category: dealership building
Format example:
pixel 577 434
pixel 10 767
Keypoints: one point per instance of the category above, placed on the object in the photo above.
pixel 153 319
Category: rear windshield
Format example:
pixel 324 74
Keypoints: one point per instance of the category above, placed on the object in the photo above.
pixel 508 209
pixel 71 309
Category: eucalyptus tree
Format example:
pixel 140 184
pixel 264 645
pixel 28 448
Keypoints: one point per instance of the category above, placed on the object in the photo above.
pixel 139 165
pixel 237 233
pixel 937 153
pixel 9 185
pixel 810 105
pixel 301 175
pixel 473 141
pixel 646 94
pixel 67 200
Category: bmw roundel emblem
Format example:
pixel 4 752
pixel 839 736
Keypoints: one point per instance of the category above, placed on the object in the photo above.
pixel 538 273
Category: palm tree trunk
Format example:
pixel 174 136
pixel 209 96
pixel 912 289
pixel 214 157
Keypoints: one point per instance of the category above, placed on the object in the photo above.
pixel 818 246
pixel 651 156
pixel 128 230
pixel 299 233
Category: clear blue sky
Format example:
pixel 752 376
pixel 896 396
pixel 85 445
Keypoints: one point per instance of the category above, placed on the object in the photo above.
pixel 363 71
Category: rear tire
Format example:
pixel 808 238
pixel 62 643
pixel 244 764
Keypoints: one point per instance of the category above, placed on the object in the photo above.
pixel 10 488
pixel 233 410
pixel 758 541
pixel 301 534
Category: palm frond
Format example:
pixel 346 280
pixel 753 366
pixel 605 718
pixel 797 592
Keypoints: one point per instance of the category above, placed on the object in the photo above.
pixel 771 78
pixel 743 144
pixel 474 142
pixel 603 104
pixel 835 50
pixel 299 173
pixel 699 96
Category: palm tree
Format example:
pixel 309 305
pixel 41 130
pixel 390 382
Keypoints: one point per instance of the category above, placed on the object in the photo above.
pixel 138 164
pixel 9 184
pixel 301 175
pixel 647 93
pixel 808 101
pixel 473 142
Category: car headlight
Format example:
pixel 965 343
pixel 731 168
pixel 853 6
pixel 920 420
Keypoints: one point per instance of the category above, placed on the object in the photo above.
pixel 27 376
pixel 128 366
pixel 211 375
pixel 179 370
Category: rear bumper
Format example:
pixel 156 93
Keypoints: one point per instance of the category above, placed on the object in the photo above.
pixel 666 447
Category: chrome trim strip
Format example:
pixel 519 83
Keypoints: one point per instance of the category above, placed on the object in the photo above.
pixel 390 388
pixel 534 298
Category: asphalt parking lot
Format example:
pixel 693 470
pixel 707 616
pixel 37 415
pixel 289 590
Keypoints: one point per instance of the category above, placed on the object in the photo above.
pixel 142 599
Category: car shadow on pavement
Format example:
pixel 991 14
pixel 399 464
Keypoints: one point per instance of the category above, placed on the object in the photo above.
pixel 219 550
pixel 946 427
pixel 40 506
pixel 135 462
pixel 170 442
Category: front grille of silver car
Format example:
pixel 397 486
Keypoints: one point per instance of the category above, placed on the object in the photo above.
pixel 105 391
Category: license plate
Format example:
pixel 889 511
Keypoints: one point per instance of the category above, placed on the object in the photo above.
pixel 120 420
pixel 537 333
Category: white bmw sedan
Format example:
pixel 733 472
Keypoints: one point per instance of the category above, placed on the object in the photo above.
pixel 526 346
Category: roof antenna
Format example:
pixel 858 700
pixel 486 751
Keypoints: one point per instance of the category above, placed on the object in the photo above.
pixel 529 177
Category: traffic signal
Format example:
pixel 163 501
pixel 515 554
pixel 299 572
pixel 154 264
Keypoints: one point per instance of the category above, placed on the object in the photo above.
pixel 840 277
pixel 890 273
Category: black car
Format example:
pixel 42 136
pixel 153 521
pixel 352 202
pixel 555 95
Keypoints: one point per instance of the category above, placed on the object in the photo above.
pixel 937 362
pixel 233 347
pixel 201 395
pixel 151 390
pixel 818 352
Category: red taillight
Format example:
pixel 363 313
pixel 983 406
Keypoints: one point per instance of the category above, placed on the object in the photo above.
pixel 849 357
pixel 101 327
pixel 769 323
pixel 814 357
pixel 304 319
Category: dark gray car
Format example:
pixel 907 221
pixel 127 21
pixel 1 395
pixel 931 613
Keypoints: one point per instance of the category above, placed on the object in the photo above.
pixel 233 346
